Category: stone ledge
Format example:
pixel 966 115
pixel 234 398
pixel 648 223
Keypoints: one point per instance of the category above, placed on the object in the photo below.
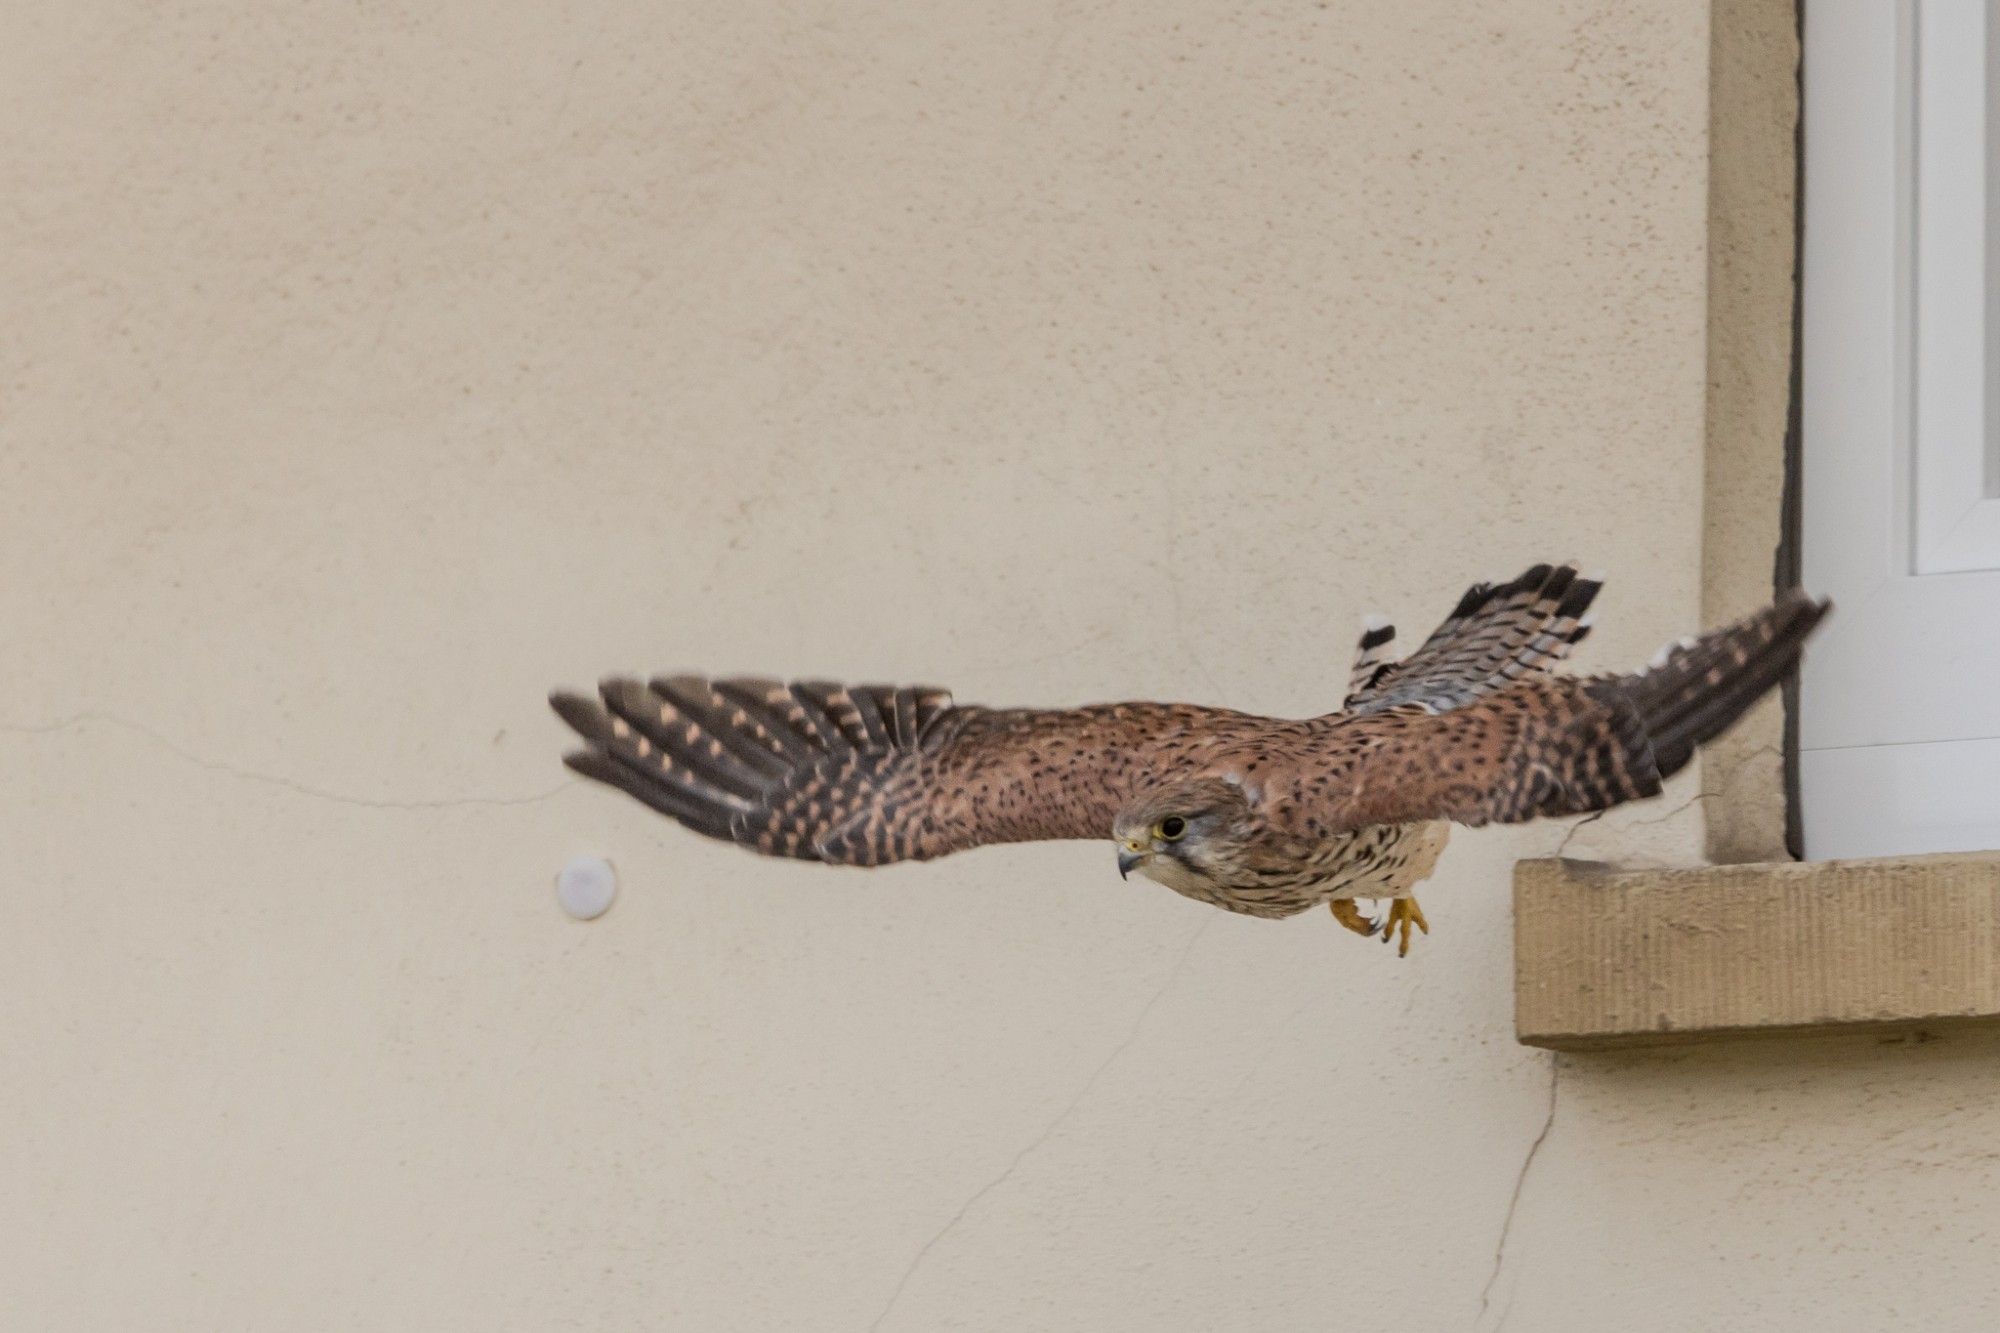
pixel 1607 958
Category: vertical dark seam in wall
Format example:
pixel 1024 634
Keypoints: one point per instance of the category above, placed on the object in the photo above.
pixel 1790 514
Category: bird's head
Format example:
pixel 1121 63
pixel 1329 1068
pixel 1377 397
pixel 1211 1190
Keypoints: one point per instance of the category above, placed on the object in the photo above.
pixel 1190 836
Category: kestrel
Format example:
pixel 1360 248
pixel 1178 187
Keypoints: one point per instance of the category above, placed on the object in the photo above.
pixel 1265 816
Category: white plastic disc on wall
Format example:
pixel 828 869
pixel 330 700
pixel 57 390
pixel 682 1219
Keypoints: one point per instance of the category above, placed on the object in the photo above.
pixel 586 887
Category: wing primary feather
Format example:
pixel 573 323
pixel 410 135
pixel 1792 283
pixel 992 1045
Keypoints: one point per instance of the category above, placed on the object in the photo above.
pixel 809 698
pixel 1377 641
pixel 1498 633
pixel 872 705
pixel 905 712
pixel 665 724
pixel 836 705
pixel 932 702
pixel 770 706
pixel 618 741
pixel 724 723
pixel 682 809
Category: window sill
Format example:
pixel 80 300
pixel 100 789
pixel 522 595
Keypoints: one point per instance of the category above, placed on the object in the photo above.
pixel 1608 958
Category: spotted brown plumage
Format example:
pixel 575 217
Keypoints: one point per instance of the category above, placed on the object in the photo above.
pixel 1265 816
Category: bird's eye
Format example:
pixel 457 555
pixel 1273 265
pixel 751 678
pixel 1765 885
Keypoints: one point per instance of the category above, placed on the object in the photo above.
pixel 1172 828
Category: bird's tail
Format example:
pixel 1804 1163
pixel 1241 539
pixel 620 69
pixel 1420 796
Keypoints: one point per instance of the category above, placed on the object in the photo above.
pixel 1695 689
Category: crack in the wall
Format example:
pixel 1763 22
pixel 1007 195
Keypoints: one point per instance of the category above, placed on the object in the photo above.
pixel 1678 810
pixel 1514 1201
pixel 1681 809
pixel 79 721
pixel 1575 829
pixel 1048 1131
pixel 1724 777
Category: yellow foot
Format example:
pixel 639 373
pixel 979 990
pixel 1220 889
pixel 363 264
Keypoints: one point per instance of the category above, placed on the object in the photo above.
pixel 1347 914
pixel 1403 913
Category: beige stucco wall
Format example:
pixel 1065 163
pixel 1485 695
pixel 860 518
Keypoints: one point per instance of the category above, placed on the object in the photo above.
pixel 367 371
pixel 1752 213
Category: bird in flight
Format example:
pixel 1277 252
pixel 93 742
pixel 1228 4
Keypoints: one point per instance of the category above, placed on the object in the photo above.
pixel 1265 816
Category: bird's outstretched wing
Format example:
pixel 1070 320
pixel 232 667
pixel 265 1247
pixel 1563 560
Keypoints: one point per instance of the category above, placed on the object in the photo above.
pixel 1549 745
pixel 872 774
pixel 1497 634
pixel 1473 727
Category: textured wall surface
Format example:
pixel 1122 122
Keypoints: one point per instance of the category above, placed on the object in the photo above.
pixel 1752 197
pixel 366 371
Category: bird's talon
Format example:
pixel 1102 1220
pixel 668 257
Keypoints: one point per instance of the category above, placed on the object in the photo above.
pixel 1403 914
pixel 1347 914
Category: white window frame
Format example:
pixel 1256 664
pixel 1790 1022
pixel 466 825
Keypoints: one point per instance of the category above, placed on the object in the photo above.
pixel 1900 696
pixel 1946 52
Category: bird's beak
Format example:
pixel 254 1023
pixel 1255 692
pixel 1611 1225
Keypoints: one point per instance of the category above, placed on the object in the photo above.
pixel 1128 857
